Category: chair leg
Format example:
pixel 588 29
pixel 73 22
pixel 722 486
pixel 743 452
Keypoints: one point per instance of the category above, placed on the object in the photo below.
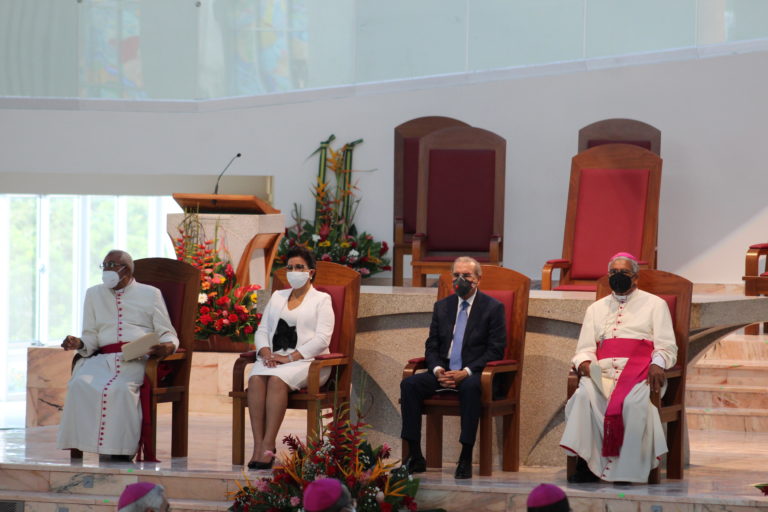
pixel 238 431
pixel 570 466
pixel 74 453
pixel 313 418
pixel 418 279
pixel 511 436
pixel 180 427
pixel 434 441
pixel 397 267
pixel 654 477
pixel 486 444
pixel 676 442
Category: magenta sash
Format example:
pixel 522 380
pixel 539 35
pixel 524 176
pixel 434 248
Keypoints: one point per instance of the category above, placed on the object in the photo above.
pixel 636 370
pixel 146 437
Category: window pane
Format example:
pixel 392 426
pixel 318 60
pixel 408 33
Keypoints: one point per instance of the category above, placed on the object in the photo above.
pixel 138 227
pixel 101 234
pixel 61 269
pixel 22 259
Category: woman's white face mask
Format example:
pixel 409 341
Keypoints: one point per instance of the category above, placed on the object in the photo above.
pixel 297 279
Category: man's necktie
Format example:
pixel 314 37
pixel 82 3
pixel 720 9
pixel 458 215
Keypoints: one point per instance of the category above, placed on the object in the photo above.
pixel 458 336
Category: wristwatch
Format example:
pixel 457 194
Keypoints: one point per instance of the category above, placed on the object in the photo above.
pixel 290 357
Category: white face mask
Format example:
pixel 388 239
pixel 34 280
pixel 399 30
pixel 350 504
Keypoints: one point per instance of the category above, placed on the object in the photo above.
pixel 110 278
pixel 297 279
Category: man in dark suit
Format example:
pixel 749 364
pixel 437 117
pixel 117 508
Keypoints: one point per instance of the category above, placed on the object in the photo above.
pixel 467 331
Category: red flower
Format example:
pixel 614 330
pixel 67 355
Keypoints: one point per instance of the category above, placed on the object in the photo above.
pixel 247 329
pixel 386 507
pixel 324 231
pixel 325 257
pixel 218 324
pixel 386 268
pixel 205 319
pixel 223 301
pixel 384 249
pixel 229 271
pixel 204 310
pixel 233 318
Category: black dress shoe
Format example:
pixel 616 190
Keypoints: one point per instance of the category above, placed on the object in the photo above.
pixel 583 474
pixel 255 464
pixel 463 469
pixel 416 465
pixel 122 458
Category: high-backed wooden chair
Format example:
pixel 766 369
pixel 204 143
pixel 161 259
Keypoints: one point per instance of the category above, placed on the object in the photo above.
pixel 179 283
pixel 407 138
pixel 343 285
pixel 501 380
pixel 461 200
pixel 756 282
pixel 626 131
pixel 676 291
pixel 613 205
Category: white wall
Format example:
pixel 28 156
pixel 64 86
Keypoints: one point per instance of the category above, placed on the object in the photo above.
pixel 712 113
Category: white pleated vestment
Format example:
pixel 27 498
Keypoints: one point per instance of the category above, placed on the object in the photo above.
pixel 639 315
pixel 102 413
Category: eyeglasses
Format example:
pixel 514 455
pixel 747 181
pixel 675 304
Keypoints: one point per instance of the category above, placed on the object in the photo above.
pixel 298 267
pixel 464 276
pixel 625 272
pixel 111 265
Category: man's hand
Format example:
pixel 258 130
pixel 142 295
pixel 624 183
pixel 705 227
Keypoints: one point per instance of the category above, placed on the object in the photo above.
pixel 656 378
pixel 72 343
pixel 457 376
pixel 161 350
pixel 583 369
pixel 444 380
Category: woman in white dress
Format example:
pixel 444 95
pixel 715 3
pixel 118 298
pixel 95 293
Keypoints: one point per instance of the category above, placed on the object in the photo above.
pixel 296 326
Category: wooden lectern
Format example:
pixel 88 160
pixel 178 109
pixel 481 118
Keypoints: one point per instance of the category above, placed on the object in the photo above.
pixel 249 230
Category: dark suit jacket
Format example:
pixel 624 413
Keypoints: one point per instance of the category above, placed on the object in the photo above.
pixel 485 337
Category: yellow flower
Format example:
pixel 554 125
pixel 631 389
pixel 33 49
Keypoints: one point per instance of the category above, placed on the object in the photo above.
pixel 344 244
pixel 254 297
pixel 325 243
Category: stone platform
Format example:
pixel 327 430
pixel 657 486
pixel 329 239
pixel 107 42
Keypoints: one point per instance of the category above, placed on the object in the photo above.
pixel 32 471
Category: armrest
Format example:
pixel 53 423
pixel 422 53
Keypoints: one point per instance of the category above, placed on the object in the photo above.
pixel 415 364
pixel 313 379
pixel 323 357
pixel 572 383
pixel 752 260
pixel 549 267
pixel 238 370
pixel 493 368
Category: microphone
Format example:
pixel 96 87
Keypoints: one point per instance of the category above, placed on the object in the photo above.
pixel 216 189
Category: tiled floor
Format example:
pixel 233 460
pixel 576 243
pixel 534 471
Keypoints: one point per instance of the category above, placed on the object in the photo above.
pixel 723 467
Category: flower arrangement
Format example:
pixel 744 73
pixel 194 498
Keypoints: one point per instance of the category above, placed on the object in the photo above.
pixel 332 234
pixel 223 307
pixel 340 452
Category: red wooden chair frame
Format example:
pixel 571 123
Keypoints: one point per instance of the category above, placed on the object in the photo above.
pixel 677 292
pixel 617 130
pixel 495 281
pixel 314 397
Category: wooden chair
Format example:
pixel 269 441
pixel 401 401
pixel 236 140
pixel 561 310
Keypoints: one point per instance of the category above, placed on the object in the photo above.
pixel 461 200
pixel 407 139
pixel 343 285
pixel 504 376
pixel 756 282
pixel 613 205
pixel 626 131
pixel 179 283
pixel 676 291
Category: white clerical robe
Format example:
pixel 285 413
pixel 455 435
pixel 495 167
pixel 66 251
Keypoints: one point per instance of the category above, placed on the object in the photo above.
pixel 102 412
pixel 639 315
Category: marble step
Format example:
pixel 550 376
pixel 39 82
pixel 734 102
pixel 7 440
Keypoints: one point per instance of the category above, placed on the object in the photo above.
pixel 738 372
pixel 739 346
pixel 60 502
pixel 728 396
pixel 723 418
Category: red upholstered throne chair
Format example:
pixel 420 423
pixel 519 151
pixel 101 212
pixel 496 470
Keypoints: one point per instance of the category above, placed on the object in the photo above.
pixel 407 138
pixel 343 285
pixel 179 283
pixel 461 200
pixel 505 376
pixel 755 281
pixel 626 131
pixel 676 291
pixel 613 205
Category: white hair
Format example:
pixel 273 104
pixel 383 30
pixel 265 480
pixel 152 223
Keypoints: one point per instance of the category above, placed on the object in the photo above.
pixel 635 266
pixel 467 259
pixel 124 257
pixel 154 500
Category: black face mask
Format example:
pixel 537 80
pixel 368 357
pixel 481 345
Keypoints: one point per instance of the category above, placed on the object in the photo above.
pixel 620 283
pixel 461 286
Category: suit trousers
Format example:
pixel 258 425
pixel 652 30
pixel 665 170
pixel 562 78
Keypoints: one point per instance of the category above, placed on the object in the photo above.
pixel 417 388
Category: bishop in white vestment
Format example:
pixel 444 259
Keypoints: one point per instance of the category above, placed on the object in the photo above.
pixel 630 333
pixel 102 412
